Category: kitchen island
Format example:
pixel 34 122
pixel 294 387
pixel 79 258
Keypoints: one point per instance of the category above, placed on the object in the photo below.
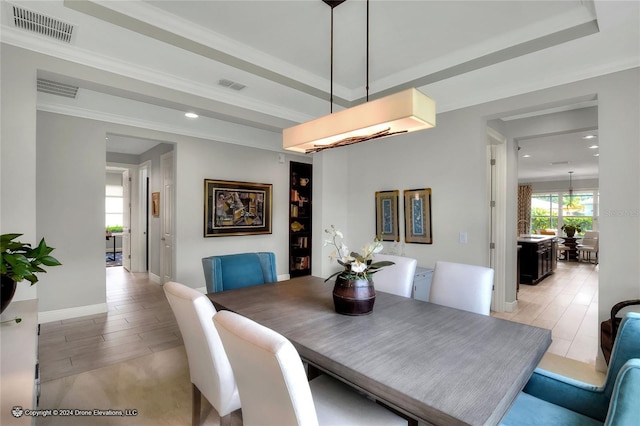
pixel 537 257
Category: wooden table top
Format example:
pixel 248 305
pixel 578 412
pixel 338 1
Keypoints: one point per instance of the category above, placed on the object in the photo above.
pixel 436 364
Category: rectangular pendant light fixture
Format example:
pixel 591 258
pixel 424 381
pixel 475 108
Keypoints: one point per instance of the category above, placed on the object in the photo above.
pixel 402 112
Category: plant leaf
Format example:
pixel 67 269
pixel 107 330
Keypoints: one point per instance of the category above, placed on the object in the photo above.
pixel 50 261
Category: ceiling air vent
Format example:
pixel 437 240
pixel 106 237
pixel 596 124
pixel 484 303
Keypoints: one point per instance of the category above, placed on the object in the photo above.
pixel 231 84
pixel 42 24
pixel 55 88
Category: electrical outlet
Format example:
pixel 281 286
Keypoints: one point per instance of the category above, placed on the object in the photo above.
pixel 462 237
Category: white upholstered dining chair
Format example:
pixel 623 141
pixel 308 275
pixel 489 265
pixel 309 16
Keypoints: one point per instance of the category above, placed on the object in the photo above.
pixel 209 368
pixel 397 278
pixel 589 245
pixel 462 286
pixel 273 386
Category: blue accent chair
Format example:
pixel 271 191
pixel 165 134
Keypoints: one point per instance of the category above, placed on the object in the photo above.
pixel 232 271
pixel 551 399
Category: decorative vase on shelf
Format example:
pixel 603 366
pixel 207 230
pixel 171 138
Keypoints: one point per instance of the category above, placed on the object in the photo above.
pixel 353 296
pixel 8 291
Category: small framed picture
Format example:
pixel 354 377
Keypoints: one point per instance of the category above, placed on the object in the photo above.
pixel 417 216
pixel 387 228
pixel 236 208
pixel 155 204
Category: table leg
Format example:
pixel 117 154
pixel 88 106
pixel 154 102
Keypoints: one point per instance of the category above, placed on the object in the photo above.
pixel 113 258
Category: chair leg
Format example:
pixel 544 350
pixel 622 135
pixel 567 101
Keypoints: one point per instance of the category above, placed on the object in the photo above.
pixel 195 405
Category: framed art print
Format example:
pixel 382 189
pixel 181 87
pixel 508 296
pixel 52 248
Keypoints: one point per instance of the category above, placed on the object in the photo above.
pixel 236 208
pixel 387 228
pixel 155 204
pixel 417 216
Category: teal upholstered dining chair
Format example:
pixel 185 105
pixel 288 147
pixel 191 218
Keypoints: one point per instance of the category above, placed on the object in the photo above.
pixel 549 398
pixel 232 271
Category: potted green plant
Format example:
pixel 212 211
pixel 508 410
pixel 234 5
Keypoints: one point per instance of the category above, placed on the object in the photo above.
pixel 21 262
pixel 571 229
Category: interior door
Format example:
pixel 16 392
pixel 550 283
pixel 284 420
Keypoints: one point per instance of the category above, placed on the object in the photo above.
pixel 497 184
pixel 126 220
pixel 166 213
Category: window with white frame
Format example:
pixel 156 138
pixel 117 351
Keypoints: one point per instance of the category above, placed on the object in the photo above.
pixel 549 210
pixel 114 206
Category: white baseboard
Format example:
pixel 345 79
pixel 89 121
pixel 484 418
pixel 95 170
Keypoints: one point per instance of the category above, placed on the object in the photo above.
pixel 511 306
pixel 63 314
pixel 154 278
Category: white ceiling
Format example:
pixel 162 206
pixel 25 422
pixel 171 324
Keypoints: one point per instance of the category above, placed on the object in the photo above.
pixel 553 157
pixel 167 57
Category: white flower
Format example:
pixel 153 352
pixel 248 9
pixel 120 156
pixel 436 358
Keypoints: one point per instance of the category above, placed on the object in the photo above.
pixel 343 252
pixel 358 266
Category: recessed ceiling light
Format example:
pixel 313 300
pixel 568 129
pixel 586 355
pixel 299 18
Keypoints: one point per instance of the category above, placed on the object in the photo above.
pixel 596 155
pixel 593 146
pixel 526 156
pixel 191 115
pixel 588 136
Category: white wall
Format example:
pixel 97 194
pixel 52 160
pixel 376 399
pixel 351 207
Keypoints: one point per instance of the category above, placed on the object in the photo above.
pixel 198 160
pixel 70 198
pixel 18 157
pixel 449 159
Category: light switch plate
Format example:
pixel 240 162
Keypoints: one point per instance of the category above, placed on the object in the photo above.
pixel 462 237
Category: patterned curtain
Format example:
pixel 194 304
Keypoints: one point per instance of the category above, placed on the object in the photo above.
pixel 524 209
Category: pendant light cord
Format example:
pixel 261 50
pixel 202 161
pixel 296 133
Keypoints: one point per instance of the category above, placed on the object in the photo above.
pixel 331 58
pixel 331 50
pixel 367 51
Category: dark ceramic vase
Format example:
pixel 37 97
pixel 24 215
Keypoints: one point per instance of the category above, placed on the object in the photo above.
pixel 8 290
pixel 353 297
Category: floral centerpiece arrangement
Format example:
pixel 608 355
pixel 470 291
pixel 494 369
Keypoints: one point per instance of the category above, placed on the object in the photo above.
pixel 353 292
pixel 356 265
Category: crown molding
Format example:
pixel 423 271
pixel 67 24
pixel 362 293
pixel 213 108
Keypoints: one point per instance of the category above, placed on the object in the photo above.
pixel 152 125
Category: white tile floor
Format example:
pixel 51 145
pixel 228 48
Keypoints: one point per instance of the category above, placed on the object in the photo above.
pixel 567 304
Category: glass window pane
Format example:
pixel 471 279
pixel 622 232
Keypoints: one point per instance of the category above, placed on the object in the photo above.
pixel 113 219
pixel 113 205
pixel 544 211
pixel 113 191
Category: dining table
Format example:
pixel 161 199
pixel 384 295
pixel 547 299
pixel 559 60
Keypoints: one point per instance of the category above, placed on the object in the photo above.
pixel 431 363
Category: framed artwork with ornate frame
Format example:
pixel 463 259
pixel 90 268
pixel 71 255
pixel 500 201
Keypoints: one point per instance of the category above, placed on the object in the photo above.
pixel 387 228
pixel 417 216
pixel 236 208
